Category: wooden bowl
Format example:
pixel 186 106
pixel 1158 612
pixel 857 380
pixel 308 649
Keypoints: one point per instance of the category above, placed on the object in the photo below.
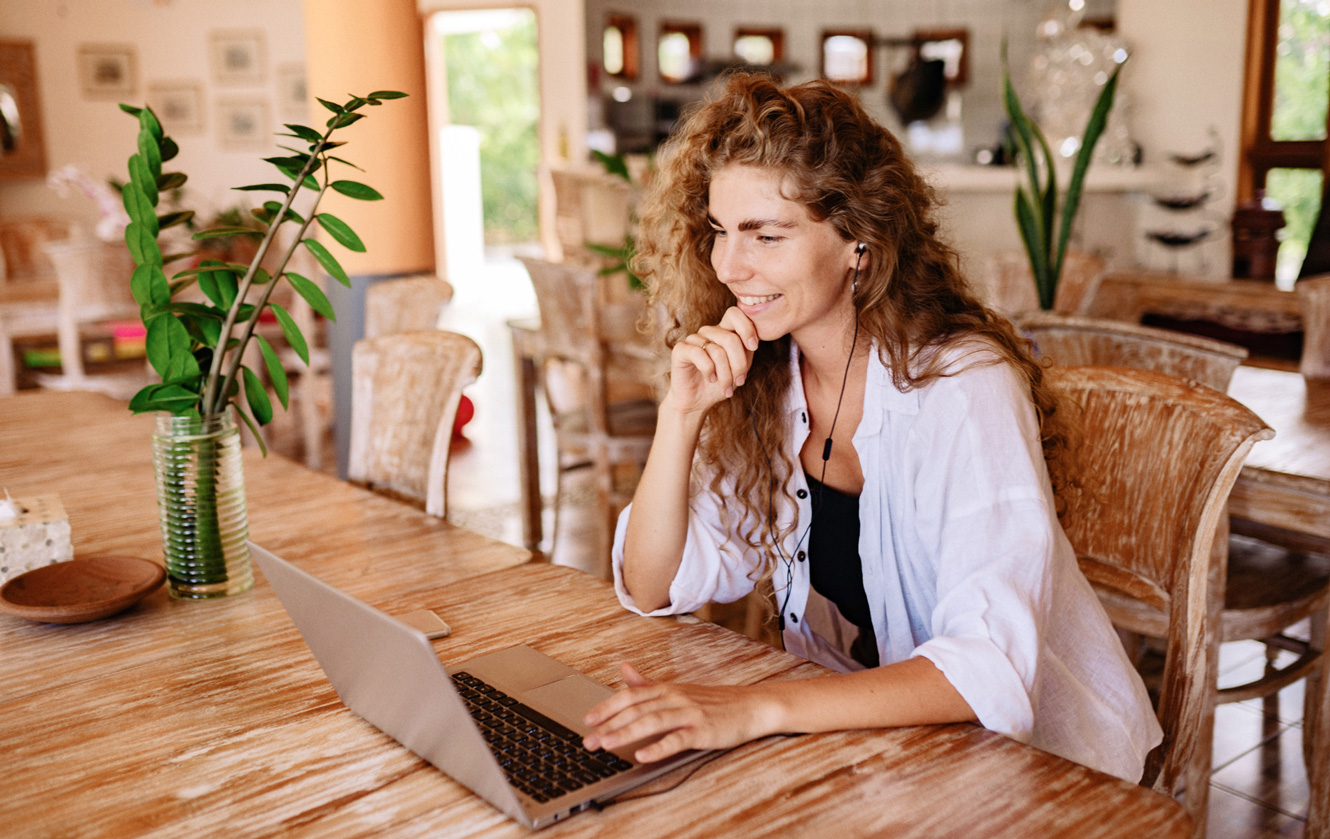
pixel 81 590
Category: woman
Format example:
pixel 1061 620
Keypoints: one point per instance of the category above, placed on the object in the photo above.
pixel 846 421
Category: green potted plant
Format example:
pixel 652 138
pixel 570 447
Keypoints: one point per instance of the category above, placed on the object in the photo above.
pixel 1045 227
pixel 198 348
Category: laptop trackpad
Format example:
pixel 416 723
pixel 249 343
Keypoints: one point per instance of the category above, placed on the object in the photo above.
pixel 568 700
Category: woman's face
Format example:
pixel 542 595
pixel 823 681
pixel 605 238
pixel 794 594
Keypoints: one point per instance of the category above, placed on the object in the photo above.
pixel 790 273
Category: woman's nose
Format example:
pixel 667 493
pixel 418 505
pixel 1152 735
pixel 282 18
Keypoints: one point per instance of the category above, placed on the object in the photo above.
pixel 728 261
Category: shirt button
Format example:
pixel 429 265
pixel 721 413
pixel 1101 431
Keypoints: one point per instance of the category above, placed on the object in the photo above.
pixel 801 556
pixel 803 417
pixel 794 618
pixel 803 493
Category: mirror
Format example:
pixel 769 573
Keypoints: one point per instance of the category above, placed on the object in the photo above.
pixel 22 146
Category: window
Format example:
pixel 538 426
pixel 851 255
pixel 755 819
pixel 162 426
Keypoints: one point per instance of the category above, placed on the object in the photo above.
pixel 847 56
pixel 679 51
pixel 762 47
pixel 619 47
pixel 1284 116
pixel 949 47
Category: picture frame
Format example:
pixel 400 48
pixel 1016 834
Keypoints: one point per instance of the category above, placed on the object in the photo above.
pixel 178 104
pixel 107 71
pixel 22 140
pixel 238 56
pixel 242 123
pixel 292 93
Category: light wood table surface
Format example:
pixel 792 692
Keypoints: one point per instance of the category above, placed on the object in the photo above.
pixel 1285 484
pixel 213 719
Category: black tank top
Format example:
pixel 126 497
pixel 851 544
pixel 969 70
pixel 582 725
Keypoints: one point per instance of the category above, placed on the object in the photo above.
pixel 835 569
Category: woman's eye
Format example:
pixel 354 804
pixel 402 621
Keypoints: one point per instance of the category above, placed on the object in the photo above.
pixel 769 240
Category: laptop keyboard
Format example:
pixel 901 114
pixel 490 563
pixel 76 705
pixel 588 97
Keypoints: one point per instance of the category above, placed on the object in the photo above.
pixel 541 757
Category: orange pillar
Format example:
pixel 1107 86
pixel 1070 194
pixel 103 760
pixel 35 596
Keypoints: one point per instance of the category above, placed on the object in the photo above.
pixel 354 47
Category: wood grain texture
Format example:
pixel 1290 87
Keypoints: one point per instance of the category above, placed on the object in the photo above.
pixel 1254 305
pixel 1314 295
pixel 197 719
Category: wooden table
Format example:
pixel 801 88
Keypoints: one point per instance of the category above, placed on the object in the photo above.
pixel 1250 305
pixel 199 719
pixel 1284 488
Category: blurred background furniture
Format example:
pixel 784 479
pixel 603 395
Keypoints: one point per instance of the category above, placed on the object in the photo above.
pixel 579 372
pixel 591 207
pixel 405 304
pixel 29 293
pixel 93 278
pixel 1078 341
pixel 1008 284
pixel 1314 301
pixel 406 388
pixel 1158 460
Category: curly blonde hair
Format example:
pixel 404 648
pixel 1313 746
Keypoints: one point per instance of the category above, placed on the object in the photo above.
pixel 911 296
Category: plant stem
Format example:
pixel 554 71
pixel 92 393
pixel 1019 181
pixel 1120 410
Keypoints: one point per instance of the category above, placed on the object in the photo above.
pixel 213 397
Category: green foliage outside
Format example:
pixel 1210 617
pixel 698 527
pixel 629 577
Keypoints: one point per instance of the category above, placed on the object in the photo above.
pixel 493 86
pixel 1302 91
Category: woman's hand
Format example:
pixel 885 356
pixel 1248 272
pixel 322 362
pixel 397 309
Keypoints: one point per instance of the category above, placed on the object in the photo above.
pixel 690 717
pixel 708 365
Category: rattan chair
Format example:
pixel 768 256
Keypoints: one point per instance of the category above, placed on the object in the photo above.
pixel 575 369
pixel 405 390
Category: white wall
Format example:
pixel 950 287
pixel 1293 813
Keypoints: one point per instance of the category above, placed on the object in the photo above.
pixel 1184 78
pixel 171 44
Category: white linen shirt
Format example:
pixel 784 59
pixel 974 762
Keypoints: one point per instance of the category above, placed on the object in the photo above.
pixel 964 563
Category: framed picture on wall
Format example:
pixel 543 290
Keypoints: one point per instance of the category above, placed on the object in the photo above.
pixel 179 105
pixel 22 142
pixel 242 123
pixel 292 94
pixel 107 71
pixel 238 57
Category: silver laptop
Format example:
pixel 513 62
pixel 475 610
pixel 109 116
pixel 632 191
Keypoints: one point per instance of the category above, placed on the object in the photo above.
pixel 508 725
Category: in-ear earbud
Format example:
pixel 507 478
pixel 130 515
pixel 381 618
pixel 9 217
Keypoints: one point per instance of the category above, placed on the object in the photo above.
pixel 861 248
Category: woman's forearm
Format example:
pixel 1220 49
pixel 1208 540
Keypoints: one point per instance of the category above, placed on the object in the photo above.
pixel 658 522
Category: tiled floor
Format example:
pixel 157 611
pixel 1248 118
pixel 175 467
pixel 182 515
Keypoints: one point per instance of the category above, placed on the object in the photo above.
pixel 1259 785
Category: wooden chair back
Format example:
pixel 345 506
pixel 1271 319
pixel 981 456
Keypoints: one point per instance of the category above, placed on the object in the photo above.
pixel 405 391
pixel 94 286
pixel 22 247
pixel 405 304
pixel 1158 459
pixel 590 208
pixel 1079 341
pixel 1314 302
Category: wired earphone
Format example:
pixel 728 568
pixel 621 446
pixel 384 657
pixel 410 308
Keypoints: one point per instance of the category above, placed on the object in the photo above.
pixel 826 456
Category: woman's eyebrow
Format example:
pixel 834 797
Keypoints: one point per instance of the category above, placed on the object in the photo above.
pixel 756 224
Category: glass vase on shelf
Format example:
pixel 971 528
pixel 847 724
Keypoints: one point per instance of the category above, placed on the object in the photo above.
pixel 201 504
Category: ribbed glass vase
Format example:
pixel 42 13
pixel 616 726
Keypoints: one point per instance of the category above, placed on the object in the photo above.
pixel 201 504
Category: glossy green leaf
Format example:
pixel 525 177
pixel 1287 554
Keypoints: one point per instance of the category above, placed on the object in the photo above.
pixel 172 219
pixel 304 132
pixel 217 232
pixel 1093 129
pixel 332 106
pixel 282 188
pixel 291 332
pixel 140 209
pixel 341 231
pixel 168 181
pixel 132 110
pixel 345 162
pixel 149 287
pixel 150 152
pixel 328 261
pixel 167 338
pixel 313 295
pixel 254 429
pixel 222 284
pixel 274 207
pixel 353 189
pixel 257 396
pixel 149 124
pixel 142 244
pixel 169 149
pixel 141 179
pixel 386 94
pixel 343 120
pixel 276 373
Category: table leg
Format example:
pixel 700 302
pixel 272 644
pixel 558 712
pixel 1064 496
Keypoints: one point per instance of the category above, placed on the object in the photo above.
pixel 528 446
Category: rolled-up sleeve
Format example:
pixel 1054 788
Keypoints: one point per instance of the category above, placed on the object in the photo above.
pixel 715 565
pixel 984 511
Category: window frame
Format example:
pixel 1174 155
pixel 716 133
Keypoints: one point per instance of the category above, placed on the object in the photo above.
pixel 865 35
pixel 693 31
pixel 632 47
pixel 775 34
